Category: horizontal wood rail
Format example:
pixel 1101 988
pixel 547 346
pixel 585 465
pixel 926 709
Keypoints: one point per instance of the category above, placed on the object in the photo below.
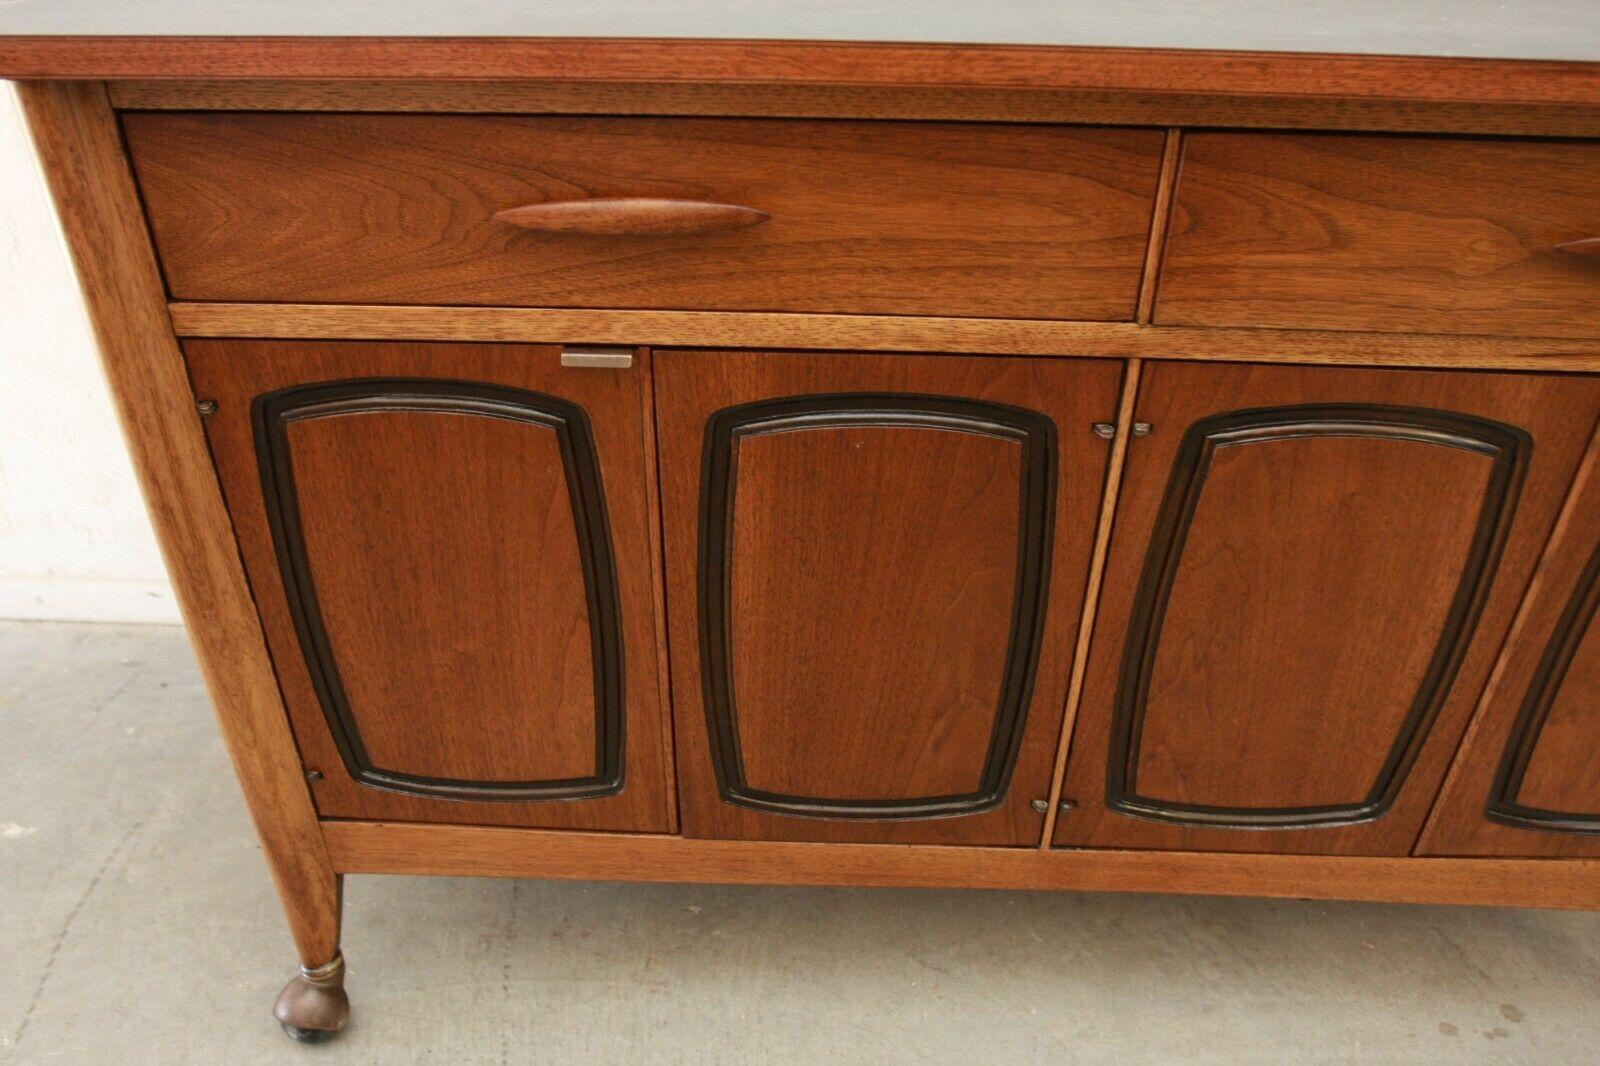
pixel 478 851
pixel 979 336
pixel 929 102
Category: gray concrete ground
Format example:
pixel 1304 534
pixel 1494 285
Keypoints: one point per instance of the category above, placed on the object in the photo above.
pixel 138 925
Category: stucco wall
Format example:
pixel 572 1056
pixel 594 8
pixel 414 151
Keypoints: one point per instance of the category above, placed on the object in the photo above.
pixel 74 540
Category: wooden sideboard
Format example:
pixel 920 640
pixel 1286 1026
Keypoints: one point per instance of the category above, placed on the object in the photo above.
pixel 945 465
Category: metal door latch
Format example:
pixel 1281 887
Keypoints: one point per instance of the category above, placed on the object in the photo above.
pixel 597 358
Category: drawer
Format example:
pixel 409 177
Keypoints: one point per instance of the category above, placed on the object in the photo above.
pixel 865 217
pixel 1384 233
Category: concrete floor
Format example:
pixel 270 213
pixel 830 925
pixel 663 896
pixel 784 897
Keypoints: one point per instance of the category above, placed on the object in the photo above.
pixel 138 925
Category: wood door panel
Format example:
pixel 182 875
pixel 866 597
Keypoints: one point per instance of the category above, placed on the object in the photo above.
pixel 1273 515
pixel 1550 779
pixel 1411 234
pixel 1525 780
pixel 857 217
pixel 510 583
pixel 1311 572
pixel 863 465
pixel 885 581
pixel 448 545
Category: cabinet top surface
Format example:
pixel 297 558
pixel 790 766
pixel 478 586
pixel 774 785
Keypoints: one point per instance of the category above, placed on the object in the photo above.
pixel 1504 29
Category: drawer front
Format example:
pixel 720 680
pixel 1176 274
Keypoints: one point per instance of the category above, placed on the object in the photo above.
pixel 864 217
pixel 1385 233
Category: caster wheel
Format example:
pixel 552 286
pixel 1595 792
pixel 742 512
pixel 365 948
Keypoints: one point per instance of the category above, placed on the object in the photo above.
pixel 310 1036
pixel 313 1006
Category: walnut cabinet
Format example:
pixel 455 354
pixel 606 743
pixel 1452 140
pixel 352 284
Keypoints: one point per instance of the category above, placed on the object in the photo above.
pixel 874 569
pixel 789 463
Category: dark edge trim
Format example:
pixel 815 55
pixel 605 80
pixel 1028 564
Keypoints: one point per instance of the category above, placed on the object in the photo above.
pixel 1509 448
pixel 1036 434
pixel 1502 805
pixel 271 414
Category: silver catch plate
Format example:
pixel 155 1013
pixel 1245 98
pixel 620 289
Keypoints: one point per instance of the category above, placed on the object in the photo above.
pixel 597 358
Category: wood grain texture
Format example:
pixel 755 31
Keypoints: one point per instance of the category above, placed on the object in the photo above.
pixel 630 216
pixel 870 620
pixel 451 850
pixel 832 636
pixel 927 102
pixel 1014 221
pixel 443 555
pixel 1160 217
pixel 1558 782
pixel 1312 589
pixel 1307 547
pixel 1092 586
pixel 658 569
pixel 77 141
pixel 1542 693
pixel 1587 247
pixel 881 333
pixel 1405 234
pixel 805 62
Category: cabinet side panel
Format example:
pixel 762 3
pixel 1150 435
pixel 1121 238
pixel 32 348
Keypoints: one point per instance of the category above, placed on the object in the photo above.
pixel 76 136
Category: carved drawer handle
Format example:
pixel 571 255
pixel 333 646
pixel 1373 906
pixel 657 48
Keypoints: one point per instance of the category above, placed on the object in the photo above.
pixel 1588 247
pixel 631 216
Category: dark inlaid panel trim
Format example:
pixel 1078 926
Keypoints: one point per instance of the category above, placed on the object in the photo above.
pixel 1509 449
pixel 1569 633
pixel 1034 432
pixel 271 415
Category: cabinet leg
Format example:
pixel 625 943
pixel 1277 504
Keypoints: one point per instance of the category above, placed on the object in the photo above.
pixel 313 1006
pixel 79 144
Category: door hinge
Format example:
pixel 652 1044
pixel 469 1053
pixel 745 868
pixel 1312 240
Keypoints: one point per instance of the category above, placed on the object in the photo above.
pixel 206 407
pixel 1108 430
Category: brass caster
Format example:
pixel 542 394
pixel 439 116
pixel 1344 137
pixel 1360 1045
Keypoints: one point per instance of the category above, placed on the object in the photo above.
pixel 313 1006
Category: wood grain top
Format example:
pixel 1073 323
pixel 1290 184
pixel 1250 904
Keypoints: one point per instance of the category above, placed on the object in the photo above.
pixel 1529 52
pixel 1523 29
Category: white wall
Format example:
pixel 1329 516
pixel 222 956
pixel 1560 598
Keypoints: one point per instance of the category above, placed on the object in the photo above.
pixel 74 540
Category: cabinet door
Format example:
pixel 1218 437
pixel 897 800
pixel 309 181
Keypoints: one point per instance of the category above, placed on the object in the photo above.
pixel 875 571
pixel 1527 780
pixel 1311 573
pixel 449 548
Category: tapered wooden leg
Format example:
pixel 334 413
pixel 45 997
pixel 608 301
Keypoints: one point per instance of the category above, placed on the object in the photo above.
pixel 80 150
pixel 313 1006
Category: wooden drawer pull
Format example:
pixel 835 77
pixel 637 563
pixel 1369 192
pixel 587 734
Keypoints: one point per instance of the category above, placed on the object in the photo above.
pixel 637 216
pixel 1589 246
